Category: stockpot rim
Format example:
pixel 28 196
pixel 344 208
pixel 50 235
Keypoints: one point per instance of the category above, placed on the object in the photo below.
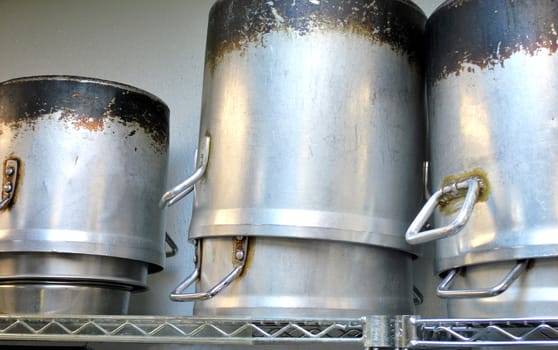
pixel 410 3
pixel 86 80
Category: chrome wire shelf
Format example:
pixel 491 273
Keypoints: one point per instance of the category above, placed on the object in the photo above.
pixel 472 333
pixel 403 332
pixel 180 330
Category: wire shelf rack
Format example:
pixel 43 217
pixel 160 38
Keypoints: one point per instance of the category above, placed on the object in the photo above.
pixel 375 332
pixel 182 330
pixel 472 333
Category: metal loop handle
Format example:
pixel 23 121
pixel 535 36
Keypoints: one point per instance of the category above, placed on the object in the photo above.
pixel 444 292
pixel 426 179
pixel 415 236
pixel 172 245
pixel 418 298
pixel 4 203
pixel 183 189
pixel 240 252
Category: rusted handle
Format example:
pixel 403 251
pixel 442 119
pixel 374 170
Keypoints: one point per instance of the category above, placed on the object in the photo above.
pixel 9 182
pixel 240 253
pixel 415 236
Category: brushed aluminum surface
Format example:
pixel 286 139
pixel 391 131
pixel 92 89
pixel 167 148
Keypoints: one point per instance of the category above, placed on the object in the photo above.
pixel 286 277
pixel 480 121
pixel 41 297
pixel 315 115
pixel 315 135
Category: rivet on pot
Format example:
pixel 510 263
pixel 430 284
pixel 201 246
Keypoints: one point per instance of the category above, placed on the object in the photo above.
pixel 8 187
pixel 239 254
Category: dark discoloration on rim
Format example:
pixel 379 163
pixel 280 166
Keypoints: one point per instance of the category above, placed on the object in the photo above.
pixel 485 33
pixel 233 24
pixel 83 103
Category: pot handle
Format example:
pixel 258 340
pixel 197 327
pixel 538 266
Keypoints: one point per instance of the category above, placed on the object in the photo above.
pixel 418 298
pixel 9 182
pixel 183 189
pixel 473 186
pixel 240 253
pixel 172 245
pixel 444 291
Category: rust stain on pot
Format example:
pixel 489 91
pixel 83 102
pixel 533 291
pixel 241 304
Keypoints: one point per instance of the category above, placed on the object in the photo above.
pixel 487 33
pixel 86 105
pixel 89 123
pixel 234 24
pixel 452 204
pixel 20 178
pixel 250 256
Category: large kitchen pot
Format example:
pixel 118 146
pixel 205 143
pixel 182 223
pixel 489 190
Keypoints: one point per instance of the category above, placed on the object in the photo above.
pixel 492 94
pixel 312 141
pixel 83 162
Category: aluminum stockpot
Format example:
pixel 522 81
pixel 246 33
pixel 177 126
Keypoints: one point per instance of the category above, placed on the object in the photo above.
pixel 311 135
pixel 492 92
pixel 84 162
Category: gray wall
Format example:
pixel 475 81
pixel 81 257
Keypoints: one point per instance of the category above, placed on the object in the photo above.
pixel 154 45
pixel 428 6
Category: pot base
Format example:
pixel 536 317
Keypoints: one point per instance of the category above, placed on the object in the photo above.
pixel 39 297
pixel 306 278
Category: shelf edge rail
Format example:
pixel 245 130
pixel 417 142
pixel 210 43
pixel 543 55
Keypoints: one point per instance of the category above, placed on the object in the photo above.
pixel 417 333
pixel 179 330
